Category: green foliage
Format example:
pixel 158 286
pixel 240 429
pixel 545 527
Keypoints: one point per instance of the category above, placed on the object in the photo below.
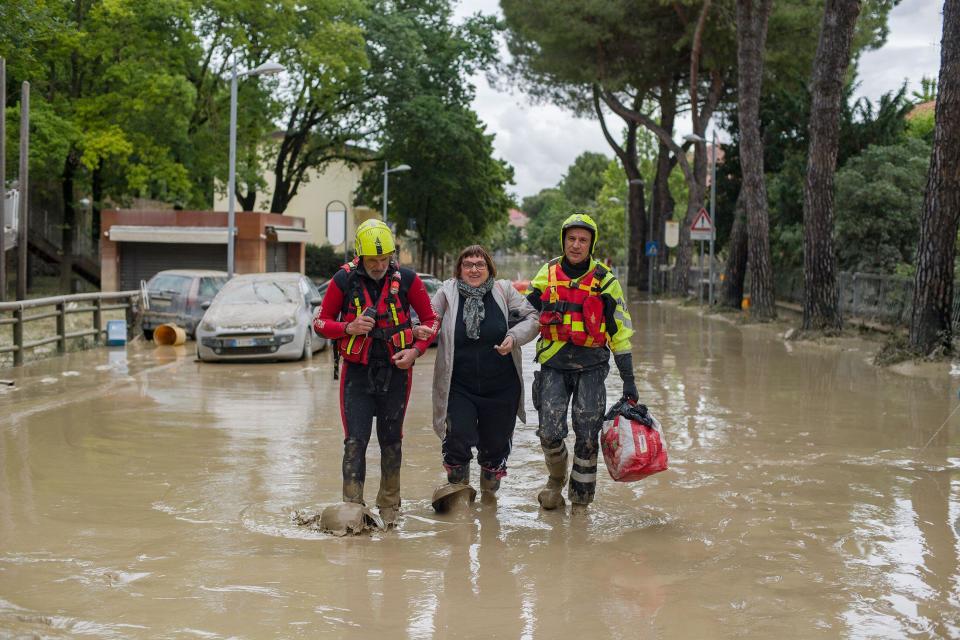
pixel 322 261
pixel 419 63
pixel 878 203
pixel 543 230
pixel 584 178
pixel 922 126
pixel 927 92
pixel 504 237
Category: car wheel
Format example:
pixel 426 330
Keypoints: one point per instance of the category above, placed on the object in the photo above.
pixel 148 334
pixel 307 348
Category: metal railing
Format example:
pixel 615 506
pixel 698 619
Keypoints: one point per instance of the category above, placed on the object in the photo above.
pixel 63 306
pixel 882 299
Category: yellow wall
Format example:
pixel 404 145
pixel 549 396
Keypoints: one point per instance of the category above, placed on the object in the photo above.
pixel 338 181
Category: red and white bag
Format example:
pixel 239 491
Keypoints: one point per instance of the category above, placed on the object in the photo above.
pixel 633 443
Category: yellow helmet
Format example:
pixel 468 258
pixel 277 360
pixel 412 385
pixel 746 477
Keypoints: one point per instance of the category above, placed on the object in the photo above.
pixel 374 238
pixel 581 221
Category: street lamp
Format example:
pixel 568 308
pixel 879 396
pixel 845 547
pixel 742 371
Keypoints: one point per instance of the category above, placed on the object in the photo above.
pixel 386 183
pixel 266 69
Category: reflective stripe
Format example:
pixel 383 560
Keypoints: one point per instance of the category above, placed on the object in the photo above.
pixel 586 478
pixel 586 464
pixel 560 447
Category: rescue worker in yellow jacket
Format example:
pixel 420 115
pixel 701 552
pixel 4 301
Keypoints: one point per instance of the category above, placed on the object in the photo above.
pixel 583 318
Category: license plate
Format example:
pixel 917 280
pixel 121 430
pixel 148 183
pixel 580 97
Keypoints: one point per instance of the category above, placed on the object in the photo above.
pixel 246 342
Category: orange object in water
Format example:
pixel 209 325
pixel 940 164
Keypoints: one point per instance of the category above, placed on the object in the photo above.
pixel 169 334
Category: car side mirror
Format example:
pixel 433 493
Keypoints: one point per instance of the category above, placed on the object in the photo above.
pixel 316 302
pixel 205 305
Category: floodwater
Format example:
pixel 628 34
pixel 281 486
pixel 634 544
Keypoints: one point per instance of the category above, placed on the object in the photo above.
pixel 146 495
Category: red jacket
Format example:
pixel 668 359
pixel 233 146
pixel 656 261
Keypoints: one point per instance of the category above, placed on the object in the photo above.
pixel 330 323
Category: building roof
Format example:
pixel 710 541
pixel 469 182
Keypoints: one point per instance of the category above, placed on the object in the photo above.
pixel 518 218
pixel 922 109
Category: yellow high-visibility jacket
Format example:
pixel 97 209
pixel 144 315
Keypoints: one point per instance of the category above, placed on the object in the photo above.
pixel 618 340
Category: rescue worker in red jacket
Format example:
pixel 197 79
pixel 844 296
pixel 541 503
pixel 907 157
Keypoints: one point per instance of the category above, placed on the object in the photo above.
pixel 366 309
pixel 583 318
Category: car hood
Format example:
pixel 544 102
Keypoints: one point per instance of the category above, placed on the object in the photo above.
pixel 249 315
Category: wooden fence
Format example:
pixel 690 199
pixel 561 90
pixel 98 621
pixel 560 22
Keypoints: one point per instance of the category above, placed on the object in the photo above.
pixel 20 313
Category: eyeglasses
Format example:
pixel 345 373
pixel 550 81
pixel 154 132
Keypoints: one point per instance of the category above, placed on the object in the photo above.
pixel 474 266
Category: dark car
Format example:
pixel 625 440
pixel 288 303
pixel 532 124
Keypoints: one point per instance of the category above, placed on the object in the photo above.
pixel 177 296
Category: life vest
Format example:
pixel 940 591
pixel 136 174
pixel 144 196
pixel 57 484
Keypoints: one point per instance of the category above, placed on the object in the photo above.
pixel 392 318
pixel 572 310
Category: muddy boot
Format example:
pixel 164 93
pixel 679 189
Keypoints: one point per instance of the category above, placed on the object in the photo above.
pixel 354 470
pixel 388 498
pixel 583 480
pixel 555 457
pixel 456 492
pixel 489 483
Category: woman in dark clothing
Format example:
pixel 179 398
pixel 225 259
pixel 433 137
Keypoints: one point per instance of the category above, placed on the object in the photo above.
pixel 478 376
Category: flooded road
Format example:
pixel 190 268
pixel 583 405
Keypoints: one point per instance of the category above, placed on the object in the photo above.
pixel 146 495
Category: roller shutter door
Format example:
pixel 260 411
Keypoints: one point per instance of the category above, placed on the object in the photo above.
pixel 276 256
pixel 141 260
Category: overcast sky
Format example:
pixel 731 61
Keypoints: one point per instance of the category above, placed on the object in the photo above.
pixel 540 141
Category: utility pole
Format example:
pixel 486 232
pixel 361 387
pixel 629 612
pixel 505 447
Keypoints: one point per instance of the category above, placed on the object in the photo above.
pixel 713 212
pixel 24 187
pixel 3 179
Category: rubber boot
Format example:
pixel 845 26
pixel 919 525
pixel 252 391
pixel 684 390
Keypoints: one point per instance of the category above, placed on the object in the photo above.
pixel 388 498
pixel 583 481
pixel 555 457
pixel 489 483
pixel 457 491
pixel 354 470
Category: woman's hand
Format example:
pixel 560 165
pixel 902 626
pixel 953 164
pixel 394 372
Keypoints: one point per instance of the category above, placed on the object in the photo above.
pixel 423 332
pixel 506 346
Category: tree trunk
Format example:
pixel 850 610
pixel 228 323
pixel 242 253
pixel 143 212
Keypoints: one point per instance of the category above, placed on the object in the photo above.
pixel 681 271
pixel 635 187
pixel 752 16
pixel 930 323
pixel 736 270
pixel 247 201
pixel 636 269
pixel 820 300
pixel 69 223
pixel 663 209
pixel 96 188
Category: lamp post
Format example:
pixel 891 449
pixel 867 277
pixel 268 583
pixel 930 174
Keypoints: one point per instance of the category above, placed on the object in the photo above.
pixel 266 69
pixel 386 182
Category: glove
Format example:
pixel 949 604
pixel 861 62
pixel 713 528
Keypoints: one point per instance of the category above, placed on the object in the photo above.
pixel 624 363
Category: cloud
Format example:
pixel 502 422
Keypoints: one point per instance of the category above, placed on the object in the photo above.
pixel 541 141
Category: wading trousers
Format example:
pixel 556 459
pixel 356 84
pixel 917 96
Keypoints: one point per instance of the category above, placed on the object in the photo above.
pixel 555 389
pixel 482 421
pixel 377 390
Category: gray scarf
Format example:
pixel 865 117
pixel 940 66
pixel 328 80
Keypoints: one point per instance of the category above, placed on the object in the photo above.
pixel 473 305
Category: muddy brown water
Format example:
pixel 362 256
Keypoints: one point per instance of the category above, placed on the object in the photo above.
pixel 146 495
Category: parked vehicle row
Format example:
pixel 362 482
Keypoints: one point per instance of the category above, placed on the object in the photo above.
pixel 255 316
pixel 262 316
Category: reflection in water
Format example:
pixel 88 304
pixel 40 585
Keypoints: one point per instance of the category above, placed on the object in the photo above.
pixel 151 496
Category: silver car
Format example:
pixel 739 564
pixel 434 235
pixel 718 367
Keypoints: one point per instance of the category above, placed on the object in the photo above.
pixel 263 316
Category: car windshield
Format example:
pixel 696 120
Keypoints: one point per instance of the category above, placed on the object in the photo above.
pixel 261 292
pixel 431 284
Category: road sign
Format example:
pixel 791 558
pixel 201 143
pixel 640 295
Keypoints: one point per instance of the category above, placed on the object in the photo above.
pixel 671 234
pixel 702 227
pixel 651 248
